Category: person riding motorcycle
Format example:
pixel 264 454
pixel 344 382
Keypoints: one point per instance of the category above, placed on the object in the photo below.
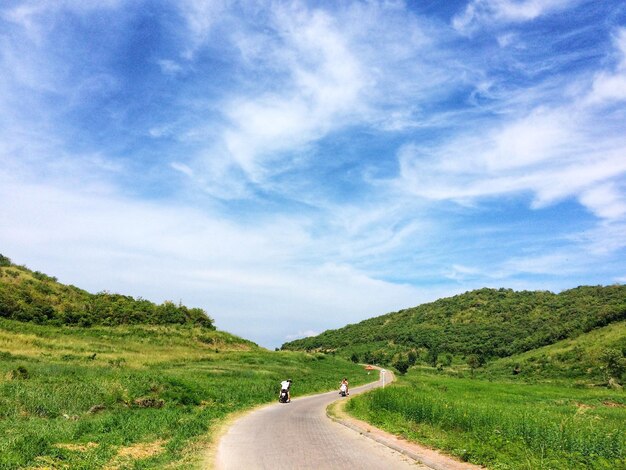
pixel 344 387
pixel 285 386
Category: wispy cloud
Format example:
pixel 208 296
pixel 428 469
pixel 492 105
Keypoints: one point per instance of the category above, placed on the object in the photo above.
pixel 481 13
pixel 322 72
pixel 554 153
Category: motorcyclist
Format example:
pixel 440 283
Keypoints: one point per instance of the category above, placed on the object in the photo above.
pixel 285 385
pixel 344 386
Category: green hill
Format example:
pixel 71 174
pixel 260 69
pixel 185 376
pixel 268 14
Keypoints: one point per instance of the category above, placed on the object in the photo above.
pixel 32 296
pixel 488 323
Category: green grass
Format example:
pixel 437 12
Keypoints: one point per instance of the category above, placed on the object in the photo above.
pixel 50 380
pixel 504 425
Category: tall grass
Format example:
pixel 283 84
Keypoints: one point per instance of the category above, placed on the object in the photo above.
pixel 88 394
pixel 505 425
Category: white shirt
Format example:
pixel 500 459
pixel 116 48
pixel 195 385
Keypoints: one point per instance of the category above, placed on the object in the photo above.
pixel 284 385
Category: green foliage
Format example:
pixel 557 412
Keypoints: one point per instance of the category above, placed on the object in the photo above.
pixel 36 297
pixel 613 362
pixel 401 364
pixel 411 358
pixel 474 362
pixel 490 323
pixel 501 424
pixel 581 358
pixel 432 356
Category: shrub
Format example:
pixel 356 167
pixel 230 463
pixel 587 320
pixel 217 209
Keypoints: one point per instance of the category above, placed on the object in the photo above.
pixel 401 365
pixel 20 373
pixel 613 363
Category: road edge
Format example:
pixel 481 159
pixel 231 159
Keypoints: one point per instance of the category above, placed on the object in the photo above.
pixel 418 452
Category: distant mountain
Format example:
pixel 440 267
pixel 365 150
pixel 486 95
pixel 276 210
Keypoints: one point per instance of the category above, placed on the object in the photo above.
pixel 31 296
pixel 488 323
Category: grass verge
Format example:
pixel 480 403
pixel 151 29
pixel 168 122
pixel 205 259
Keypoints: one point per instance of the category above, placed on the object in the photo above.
pixel 503 425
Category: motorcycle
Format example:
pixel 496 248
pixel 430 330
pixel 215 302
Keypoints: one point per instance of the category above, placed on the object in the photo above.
pixel 283 397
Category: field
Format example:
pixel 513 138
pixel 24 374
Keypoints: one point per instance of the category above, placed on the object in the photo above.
pixel 502 424
pixel 135 396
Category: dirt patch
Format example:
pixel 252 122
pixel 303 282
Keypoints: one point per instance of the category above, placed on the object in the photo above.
pixel 143 450
pixel 612 404
pixel 139 451
pixel 77 447
pixel 96 409
pixel 582 407
pixel 148 402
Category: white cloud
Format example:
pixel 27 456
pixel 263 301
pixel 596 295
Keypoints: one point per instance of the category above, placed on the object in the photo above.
pixel 611 86
pixel 324 84
pixel 480 13
pixel 459 272
pixel 200 17
pixel 169 67
pixel 606 201
pixel 606 238
pixel 572 149
pixel 181 167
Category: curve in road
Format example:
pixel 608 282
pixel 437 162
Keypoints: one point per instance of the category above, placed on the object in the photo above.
pixel 298 435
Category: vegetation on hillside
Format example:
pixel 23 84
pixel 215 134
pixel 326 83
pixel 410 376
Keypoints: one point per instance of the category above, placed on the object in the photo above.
pixel 596 357
pixel 474 327
pixel 137 396
pixel 31 296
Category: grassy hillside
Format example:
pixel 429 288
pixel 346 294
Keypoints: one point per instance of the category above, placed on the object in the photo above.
pixel 486 323
pixel 135 396
pixel 32 296
pixel 587 357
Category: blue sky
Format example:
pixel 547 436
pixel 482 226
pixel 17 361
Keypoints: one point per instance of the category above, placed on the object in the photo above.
pixel 296 166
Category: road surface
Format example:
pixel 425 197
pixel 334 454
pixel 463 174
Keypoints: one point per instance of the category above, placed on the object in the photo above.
pixel 299 435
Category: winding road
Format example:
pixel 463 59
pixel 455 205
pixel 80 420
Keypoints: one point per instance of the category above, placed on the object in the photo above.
pixel 299 435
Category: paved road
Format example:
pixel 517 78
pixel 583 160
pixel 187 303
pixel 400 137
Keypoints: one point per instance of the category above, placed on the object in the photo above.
pixel 299 435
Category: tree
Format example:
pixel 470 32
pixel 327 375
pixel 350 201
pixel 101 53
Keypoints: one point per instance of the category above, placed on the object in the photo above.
pixel 474 362
pixel 401 365
pixel 613 363
pixel 4 261
pixel 354 358
pixel 432 355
